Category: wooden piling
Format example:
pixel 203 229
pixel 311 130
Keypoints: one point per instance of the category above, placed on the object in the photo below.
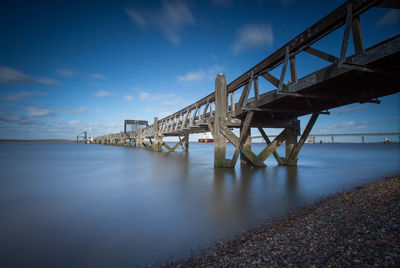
pixel 186 148
pixel 221 102
pixel 244 161
pixel 157 145
pixel 291 141
pixel 139 137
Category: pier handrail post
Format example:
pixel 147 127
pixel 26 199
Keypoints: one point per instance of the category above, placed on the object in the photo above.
pixel 221 100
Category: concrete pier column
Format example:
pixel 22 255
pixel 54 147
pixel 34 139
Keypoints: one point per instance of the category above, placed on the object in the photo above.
pixel 244 161
pixel 157 140
pixel 221 102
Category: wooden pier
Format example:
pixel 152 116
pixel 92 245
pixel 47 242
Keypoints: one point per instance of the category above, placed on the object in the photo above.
pixel 360 78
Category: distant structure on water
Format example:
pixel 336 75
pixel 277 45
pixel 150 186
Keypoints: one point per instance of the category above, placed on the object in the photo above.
pixel 205 137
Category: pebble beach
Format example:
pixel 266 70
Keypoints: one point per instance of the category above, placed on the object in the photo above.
pixel 360 227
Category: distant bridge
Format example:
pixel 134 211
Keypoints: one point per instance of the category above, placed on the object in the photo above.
pixel 312 136
pixel 360 78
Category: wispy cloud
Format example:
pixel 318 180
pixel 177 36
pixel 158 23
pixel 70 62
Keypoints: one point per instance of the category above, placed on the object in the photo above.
pixel 143 95
pixel 103 93
pixel 136 17
pixel 251 36
pixel 173 103
pixel 349 125
pixel 347 110
pixel 128 97
pixel 201 74
pixel 192 76
pixel 170 18
pixel 392 17
pixel 23 95
pixel 39 111
pixel 74 122
pixel 9 118
pixel 10 75
pixel 78 110
pixel 98 76
pixel 65 72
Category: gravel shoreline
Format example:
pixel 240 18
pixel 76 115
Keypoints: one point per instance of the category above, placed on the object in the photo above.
pixel 355 228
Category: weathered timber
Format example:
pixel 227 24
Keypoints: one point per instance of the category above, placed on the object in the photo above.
pixel 220 115
pixel 292 159
pixel 369 74
pixel 268 141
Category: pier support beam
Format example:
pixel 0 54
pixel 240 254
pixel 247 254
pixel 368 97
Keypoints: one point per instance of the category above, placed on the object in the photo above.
pixel 221 102
pixel 181 141
pixel 244 161
pixel 186 148
pixel 291 141
pixel 292 159
pixel 139 138
pixel 157 144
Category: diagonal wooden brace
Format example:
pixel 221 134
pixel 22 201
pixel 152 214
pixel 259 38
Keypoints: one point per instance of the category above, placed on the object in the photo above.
pixel 292 159
pixel 235 141
pixel 264 154
pixel 175 146
pixel 268 141
pixel 243 137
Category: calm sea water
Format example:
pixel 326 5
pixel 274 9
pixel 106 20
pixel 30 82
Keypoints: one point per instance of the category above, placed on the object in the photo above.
pixel 84 205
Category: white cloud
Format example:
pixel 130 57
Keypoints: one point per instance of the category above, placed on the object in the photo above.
pixel 392 17
pixel 192 76
pixel 253 36
pixel 78 110
pixel 169 103
pixel 10 75
pixel 170 19
pixel 128 97
pixel 103 93
pixel 347 110
pixel 349 125
pixel 150 110
pixel 39 111
pixel 144 95
pixel 201 74
pixel 23 95
pixel 98 76
pixel 74 122
pixel 65 72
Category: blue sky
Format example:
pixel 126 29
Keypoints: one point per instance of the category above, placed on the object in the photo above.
pixel 70 66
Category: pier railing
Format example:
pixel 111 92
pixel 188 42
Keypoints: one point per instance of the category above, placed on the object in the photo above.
pixel 362 77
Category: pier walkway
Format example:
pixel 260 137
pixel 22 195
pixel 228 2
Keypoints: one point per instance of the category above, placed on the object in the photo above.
pixel 360 78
